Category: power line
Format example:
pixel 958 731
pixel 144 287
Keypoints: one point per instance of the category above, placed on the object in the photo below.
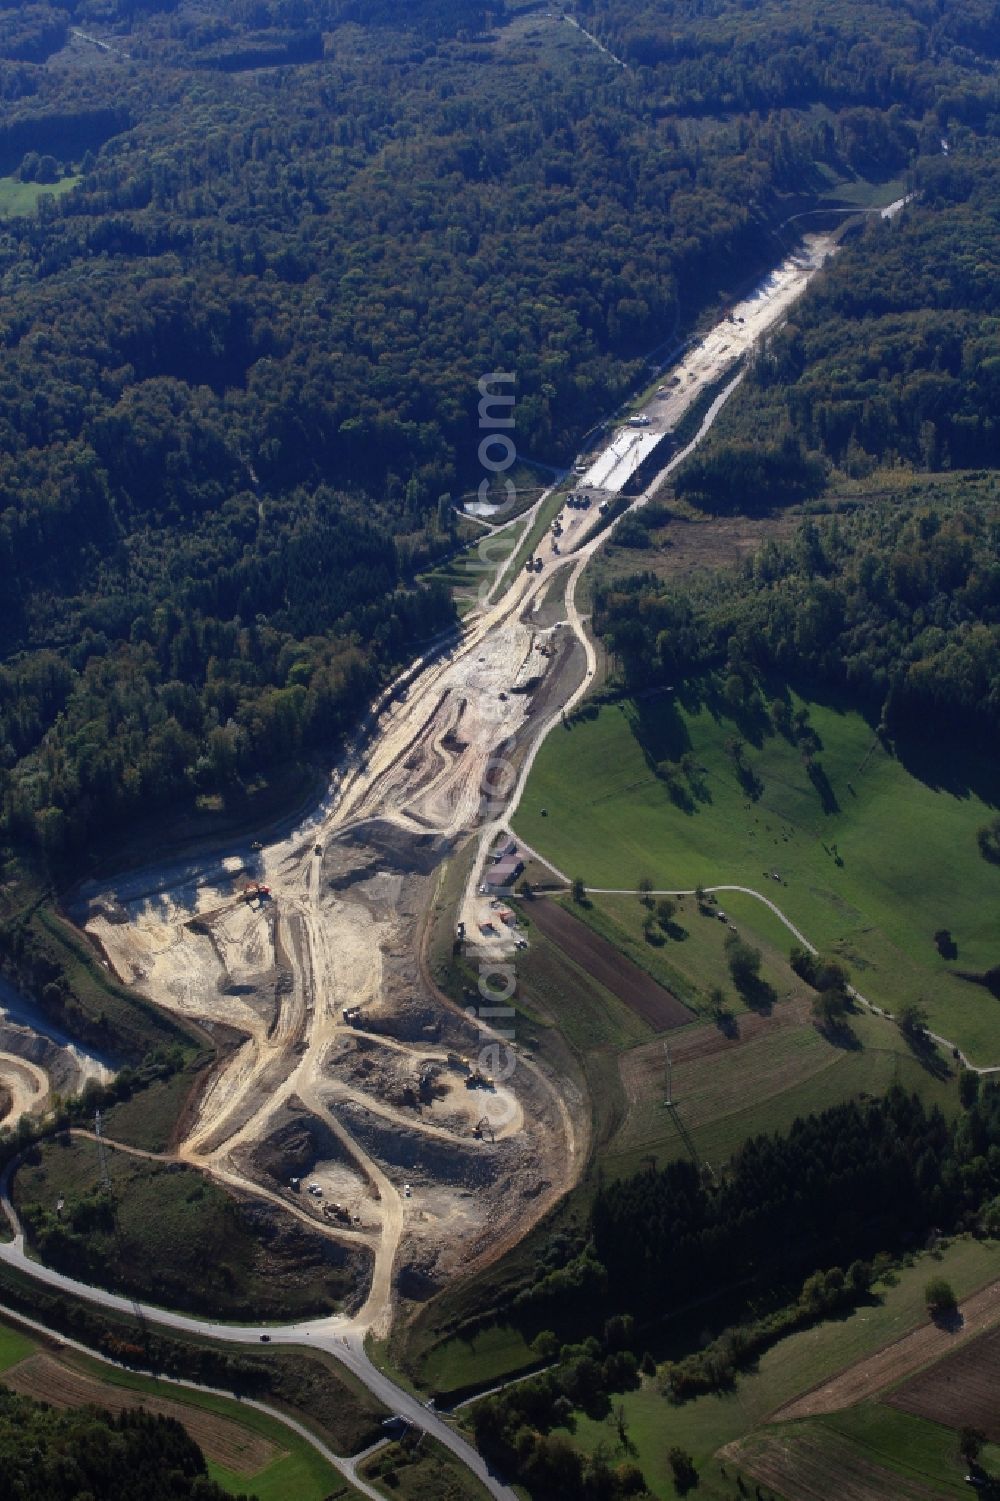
pixel 102 1153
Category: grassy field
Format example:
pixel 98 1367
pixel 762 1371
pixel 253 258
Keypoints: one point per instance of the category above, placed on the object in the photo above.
pixel 690 958
pixel 14 1346
pixel 873 879
pixel 724 1093
pixel 148 1119
pixel 18 197
pixel 721 1099
pixel 295 1470
pixel 795 1365
pixel 910 1445
pixel 867 1443
pixel 177 1240
pixel 427 1473
pixel 471 573
pixel 868 1450
pixel 556 991
pixel 488 1355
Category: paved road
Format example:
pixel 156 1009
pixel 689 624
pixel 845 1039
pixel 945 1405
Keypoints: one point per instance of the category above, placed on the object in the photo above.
pixel 317 1334
pixel 345 1464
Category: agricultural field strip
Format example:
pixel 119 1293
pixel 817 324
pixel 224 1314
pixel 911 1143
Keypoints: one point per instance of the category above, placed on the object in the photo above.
pixel 797 934
pixel 958 1390
pixel 346 1466
pixel 800 1465
pixel 45 1378
pixel 896 1361
pixel 603 962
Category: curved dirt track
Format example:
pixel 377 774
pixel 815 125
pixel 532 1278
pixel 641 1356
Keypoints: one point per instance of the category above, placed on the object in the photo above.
pixel 25 1083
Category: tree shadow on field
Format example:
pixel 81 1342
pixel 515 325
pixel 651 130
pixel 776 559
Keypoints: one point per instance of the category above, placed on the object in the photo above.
pixel 751 719
pixel 951 1320
pixel 658 728
pixel 759 994
pixel 927 1054
pixel 828 798
pixel 840 1034
pixel 946 763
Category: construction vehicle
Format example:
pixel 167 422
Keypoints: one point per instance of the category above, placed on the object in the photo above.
pixel 254 889
pixel 483 1128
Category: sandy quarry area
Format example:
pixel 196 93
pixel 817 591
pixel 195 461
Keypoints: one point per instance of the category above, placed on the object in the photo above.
pixel 37 1060
pixel 347 1087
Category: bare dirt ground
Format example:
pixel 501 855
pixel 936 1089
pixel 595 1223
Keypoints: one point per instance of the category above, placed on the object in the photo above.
pixel 349 1073
pixel 960 1391
pixel 48 1379
pixel 898 1360
pixel 640 992
pixel 23 1087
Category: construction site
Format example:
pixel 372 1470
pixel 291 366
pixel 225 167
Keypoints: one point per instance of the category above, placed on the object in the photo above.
pixel 348 1090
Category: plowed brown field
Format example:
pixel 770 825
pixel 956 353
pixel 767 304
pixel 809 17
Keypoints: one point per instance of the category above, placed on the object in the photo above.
pixel 227 1443
pixel 959 1391
pixel 609 968
pixel 815 1465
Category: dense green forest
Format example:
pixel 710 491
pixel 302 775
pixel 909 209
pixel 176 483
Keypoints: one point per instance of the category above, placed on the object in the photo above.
pixel 47 1455
pixel 241 347
pixel 850 1184
pixel 898 604
pixel 884 377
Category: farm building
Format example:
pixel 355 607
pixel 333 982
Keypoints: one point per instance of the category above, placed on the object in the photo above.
pixel 503 873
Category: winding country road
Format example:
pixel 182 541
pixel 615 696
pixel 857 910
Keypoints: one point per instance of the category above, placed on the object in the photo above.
pixel 317 1334
pixel 783 918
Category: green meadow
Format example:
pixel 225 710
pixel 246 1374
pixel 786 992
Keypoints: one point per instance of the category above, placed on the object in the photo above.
pixel 18 198
pixel 871 869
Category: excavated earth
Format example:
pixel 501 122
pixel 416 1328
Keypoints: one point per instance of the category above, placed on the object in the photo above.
pixel 350 1094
